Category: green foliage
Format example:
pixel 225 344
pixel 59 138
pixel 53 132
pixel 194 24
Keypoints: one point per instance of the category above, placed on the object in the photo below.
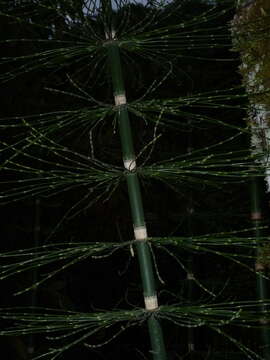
pixel 185 139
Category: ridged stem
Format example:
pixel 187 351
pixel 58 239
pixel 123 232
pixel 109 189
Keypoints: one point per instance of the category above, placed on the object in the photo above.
pixel 190 262
pixel 36 232
pixel 261 284
pixel 135 199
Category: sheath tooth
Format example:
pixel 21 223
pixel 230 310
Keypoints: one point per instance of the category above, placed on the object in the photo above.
pixel 130 164
pixel 120 99
pixel 110 35
pixel 113 34
pixel 151 302
pixel 140 233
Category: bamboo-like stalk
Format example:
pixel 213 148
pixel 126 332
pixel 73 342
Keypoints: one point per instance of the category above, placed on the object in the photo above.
pixel 261 284
pixel 135 198
pixel 31 342
pixel 140 231
pixel 190 276
pixel 190 279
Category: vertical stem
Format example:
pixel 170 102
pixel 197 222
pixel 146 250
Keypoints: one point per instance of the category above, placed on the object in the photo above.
pixel 31 343
pixel 190 296
pixel 190 276
pixel 256 218
pixel 134 191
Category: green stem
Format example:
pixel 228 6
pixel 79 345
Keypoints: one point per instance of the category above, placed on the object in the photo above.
pixel 190 276
pixel 256 218
pixel 135 198
pixel 31 344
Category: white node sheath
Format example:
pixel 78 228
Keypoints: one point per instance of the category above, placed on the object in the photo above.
pixel 190 276
pixel 110 35
pixel 140 233
pixel 120 99
pixel 113 34
pixel 151 302
pixel 130 164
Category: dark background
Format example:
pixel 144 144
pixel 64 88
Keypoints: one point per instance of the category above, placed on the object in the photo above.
pixel 114 282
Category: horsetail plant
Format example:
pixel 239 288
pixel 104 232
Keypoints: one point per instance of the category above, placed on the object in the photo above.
pixel 135 198
pixel 93 45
